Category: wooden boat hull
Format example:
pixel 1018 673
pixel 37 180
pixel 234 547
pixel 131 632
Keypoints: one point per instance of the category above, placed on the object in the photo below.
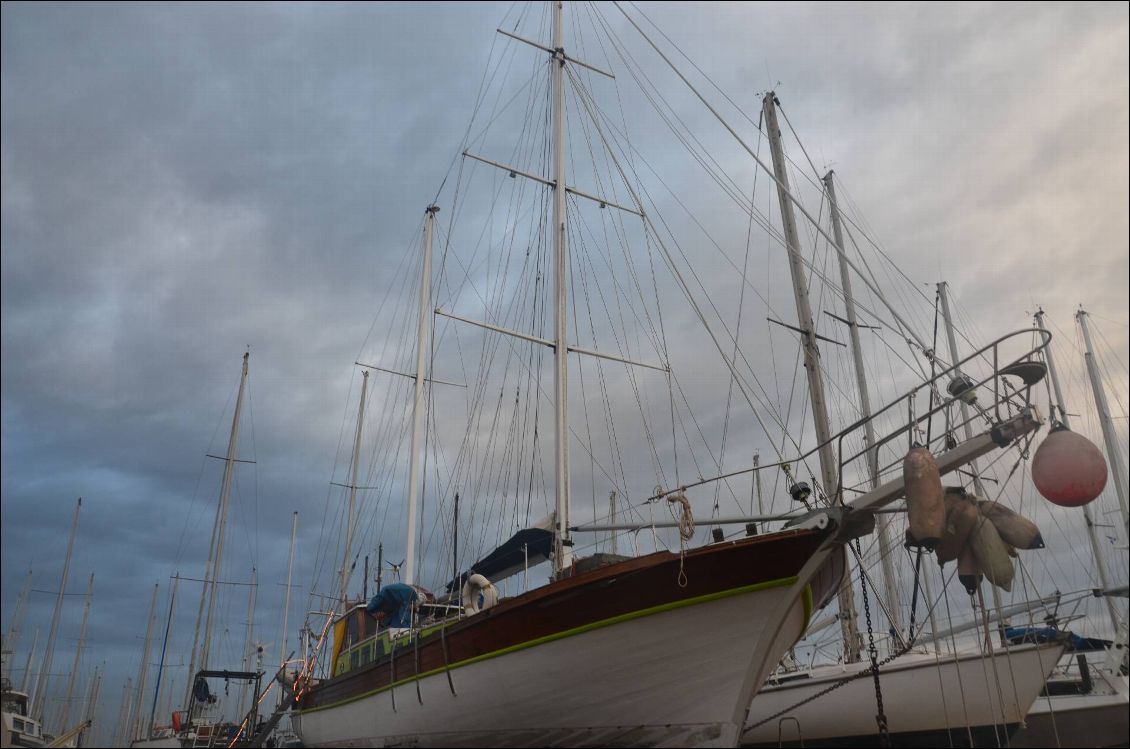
pixel 619 656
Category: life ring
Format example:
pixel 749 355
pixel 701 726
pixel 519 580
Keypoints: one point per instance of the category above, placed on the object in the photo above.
pixel 479 594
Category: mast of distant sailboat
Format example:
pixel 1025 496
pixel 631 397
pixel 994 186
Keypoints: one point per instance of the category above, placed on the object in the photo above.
pixel 139 729
pixel 216 547
pixel 886 545
pixel 13 635
pixel 346 567
pixel 64 721
pixel 1063 418
pixel 45 673
pixel 1114 452
pixel 828 470
pixel 966 424
pixel 286 604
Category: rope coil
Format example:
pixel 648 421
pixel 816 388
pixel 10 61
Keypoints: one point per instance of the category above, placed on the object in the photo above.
pixel 685 518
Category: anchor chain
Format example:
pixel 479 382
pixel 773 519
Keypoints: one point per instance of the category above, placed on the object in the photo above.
pixel 833 687
pixel 880 718
pixel 873 654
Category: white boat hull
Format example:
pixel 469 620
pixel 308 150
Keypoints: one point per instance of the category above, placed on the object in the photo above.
pixel 1101 718
pixel 669 678
pixel 924 694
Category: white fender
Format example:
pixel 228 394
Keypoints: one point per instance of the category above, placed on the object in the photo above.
pixel 961 516
pixel 925 498
pixel 1015 529
pixel 991 554
pixel 479 594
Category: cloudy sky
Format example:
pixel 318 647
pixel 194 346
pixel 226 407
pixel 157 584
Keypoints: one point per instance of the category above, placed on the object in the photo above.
pixel 184 182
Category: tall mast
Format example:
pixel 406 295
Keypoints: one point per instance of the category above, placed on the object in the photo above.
pixel 225 497
pixel 1110 436
pixel 164 650
pixel 612 521
pixel 1115 662
pixel 886 545
pixel 756 488
pixel 563 551
pixel 138 722
pixel 828 468
pixel 248 640
pixel 204 589
pixel 49 654
pixel 95 692
pixel 455 540
pixel 121 730
pixel 27 683
pixel 286 605
pixel 345 566
pixel 966 425
pixel 64 720
pixel 418 409
pixel 380 565
pixel 13 636
pixel 1061 406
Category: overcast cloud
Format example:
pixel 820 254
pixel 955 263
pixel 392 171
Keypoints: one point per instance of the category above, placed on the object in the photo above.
pixel 183 181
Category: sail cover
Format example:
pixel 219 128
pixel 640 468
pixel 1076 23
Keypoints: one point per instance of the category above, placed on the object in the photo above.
pixel 528 546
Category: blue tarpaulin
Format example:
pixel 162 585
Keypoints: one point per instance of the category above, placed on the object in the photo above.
pixel 1018 635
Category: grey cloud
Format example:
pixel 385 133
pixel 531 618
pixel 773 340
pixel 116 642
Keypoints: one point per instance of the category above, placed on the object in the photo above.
pixel 182 181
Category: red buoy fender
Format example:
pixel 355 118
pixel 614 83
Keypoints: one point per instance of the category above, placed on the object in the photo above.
pixel 1067 469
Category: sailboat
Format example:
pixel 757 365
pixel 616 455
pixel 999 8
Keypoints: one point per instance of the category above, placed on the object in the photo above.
pixel 665 648
pixel 1082 706
pixel 1088 703
pixel 930 694
pixel 23 709
pixel 979 697
pixel 19 727
pixel 209 718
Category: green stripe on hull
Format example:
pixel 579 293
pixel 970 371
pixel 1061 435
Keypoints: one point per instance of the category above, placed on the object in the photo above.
pixel 806 601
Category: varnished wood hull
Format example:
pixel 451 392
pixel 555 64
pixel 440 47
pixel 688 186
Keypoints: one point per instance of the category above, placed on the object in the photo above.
pixel 622 655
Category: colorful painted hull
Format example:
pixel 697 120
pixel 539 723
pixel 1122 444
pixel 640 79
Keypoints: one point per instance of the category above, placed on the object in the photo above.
pixel 622 655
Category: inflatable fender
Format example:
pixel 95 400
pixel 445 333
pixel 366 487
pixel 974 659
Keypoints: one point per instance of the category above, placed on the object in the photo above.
pixel 992 554
pixel 968 570
pixel 1015 529
pixel 961 516
pixel 925 507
